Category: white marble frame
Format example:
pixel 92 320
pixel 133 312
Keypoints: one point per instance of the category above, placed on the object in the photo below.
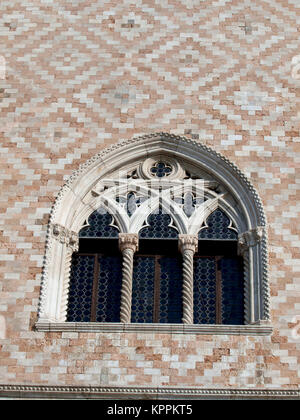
pixel 78 199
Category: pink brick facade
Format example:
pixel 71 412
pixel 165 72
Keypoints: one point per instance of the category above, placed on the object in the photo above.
pixel 77 78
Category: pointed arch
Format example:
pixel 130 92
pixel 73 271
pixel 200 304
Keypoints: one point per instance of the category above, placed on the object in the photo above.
pixel 84 192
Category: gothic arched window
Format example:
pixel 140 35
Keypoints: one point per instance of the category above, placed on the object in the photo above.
pixel 218 275
pixel 96 272
pixel 165 232
pixel 157 273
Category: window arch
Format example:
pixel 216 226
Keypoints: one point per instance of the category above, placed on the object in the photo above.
pixel 158 226
pixel 155 188
pixel 218 226
pixel 157 273
pixel 99 225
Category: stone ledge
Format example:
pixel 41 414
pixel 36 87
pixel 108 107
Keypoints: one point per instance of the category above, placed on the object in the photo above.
pixel 100 327
pixel 138 393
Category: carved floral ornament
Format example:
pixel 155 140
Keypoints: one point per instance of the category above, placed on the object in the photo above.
pixel 65 236
pixel 250 239
pixel 186 179
pixel 128 241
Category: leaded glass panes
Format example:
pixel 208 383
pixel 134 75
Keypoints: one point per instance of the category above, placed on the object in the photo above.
pixel 81 288
pixel 218 227
pixel 170 301
pixel 157 289
pixel 109 289
pixel 205 290
pixel 99 226
pixel 232 291
pixel 95 288
pixel 96 272
pixel 143 289
pixel 158 227
pixel 218 290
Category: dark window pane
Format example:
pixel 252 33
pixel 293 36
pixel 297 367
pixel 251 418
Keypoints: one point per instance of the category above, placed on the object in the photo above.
pixel 81 288
pixel 143 289
pixel 161 169
pixel 232 291
pixel 217 228
pixel 158 227
pixel 109 289
pixel 99 226
pixel 204 290
pixel 170 304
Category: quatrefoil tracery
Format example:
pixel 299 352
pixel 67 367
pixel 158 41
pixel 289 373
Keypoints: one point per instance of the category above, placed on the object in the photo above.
pixel 189 202
pixel 161 169
pixel 130 202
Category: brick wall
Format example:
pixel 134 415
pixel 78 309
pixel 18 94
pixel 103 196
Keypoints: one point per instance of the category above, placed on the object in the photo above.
pixel 80 75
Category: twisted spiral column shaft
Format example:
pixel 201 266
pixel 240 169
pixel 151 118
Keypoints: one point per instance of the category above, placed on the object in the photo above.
pixel 128 243
pixel 187 287
pixel 247 290
pixel 187 246
pixel 126 292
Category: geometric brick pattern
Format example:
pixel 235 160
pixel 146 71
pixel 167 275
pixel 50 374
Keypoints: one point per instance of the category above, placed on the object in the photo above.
pixel 81 75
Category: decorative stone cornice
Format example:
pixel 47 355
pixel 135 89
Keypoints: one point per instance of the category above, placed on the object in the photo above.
pixel 128 241
pixel 187 242
pixel 136 392
pixel 65 236
pixel 249 239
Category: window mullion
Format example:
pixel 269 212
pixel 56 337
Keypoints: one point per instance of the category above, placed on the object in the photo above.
pixel 128 244
pixel 188 245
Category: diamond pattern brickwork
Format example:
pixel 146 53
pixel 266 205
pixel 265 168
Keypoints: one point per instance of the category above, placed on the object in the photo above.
pixel 80 75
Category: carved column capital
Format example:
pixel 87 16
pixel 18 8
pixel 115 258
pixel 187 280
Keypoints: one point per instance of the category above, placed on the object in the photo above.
pixel 65 236
pixel 128 241
pixel 250 239
pixel 188 243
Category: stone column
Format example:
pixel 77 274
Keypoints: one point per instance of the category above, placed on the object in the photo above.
pixel 188 245
pixel 128 244
pixel 62 243
pixel 248 243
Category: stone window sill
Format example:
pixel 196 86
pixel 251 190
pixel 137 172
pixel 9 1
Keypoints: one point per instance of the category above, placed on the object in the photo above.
pixel 99 327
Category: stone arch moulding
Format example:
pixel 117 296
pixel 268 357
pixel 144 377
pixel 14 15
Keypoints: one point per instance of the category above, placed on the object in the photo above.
pixel 82 193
